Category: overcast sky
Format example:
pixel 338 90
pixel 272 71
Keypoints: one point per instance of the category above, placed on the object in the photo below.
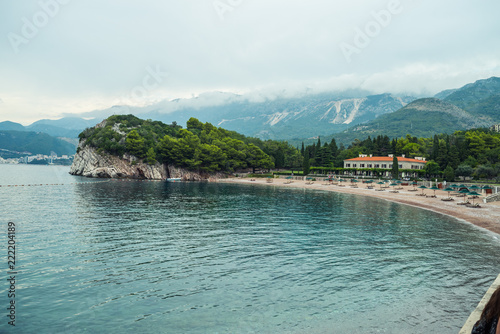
pixel 70 56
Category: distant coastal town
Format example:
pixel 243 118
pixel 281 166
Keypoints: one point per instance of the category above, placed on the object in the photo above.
pixel 36 159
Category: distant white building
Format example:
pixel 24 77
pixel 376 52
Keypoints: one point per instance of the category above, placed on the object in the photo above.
pixel 495 128
pixel 369 162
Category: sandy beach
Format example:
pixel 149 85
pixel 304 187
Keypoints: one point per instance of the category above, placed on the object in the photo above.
pixel 487 216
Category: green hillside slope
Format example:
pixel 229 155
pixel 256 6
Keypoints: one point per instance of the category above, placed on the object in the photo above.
pixel 421 118
pixel 35 143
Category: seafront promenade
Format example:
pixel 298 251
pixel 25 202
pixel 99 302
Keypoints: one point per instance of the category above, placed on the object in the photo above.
pixel 487 216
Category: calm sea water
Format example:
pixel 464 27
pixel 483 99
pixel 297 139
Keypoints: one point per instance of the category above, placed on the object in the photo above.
pixel 98 256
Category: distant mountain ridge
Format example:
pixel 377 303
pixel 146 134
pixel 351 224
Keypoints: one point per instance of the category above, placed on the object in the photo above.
pixel 34 143
pixel 421 118
pixel 471 106
pixel 481 98
pixel 347 115
pixel 282 118
pixel 43 136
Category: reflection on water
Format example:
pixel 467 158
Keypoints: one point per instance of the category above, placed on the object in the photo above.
pixel 157 257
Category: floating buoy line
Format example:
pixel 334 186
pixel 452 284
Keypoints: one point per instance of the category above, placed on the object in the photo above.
pixel 65 184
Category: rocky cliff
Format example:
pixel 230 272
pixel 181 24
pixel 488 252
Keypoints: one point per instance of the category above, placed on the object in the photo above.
pixel 88 162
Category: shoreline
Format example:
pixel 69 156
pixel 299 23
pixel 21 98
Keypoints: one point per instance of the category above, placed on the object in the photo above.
pixel 487 217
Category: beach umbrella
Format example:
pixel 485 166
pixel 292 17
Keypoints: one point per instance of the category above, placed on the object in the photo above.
pixel 381 183
pixel 434 188
pixel 474 187
pixel 423 187
pixel 464 192
pixel 449 190
pixel 474 195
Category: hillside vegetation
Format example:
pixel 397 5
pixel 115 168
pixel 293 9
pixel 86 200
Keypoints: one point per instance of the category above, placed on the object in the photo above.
pixel 421 118
pixel 34 142
pixel 201 146
pixel 475 153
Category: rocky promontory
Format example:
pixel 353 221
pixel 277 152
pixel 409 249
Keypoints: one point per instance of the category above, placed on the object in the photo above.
pixel 88 162
pixel 125 146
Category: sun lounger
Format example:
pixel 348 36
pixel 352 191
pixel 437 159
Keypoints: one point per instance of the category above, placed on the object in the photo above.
pixel 447 199
pixel 463 203
pixel 394 191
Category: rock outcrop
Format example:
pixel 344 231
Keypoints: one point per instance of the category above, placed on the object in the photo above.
pixel 90 163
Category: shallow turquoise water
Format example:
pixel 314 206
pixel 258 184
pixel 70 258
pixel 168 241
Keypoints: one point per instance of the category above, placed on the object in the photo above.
pixel 152 257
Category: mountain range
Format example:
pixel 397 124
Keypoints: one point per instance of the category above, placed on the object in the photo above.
pixel 472 106
pixel 343 115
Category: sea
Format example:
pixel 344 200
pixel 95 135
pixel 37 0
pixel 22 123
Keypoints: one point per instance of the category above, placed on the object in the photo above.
pixel 117 256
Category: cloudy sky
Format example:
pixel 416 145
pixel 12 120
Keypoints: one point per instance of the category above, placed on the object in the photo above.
pixel 70 56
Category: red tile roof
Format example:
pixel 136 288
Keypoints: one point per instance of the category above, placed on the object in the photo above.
pixel 389 159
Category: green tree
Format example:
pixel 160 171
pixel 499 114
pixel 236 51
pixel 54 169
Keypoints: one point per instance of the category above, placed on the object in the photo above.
pixel 135 144
pixel 395 167
pixel 431 168
pixel 464 170
pixel 306 166
pixel 151 156
pixel 449 174
pixel 256 158
pixel 484 172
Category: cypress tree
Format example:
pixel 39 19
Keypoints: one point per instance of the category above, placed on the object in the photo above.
pixel 395 167
pixel 305 165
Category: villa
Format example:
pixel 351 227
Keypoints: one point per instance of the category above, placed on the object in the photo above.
pixel 370 162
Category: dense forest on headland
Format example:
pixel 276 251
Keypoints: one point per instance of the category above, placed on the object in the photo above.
pixel 204 147
pixel 201 146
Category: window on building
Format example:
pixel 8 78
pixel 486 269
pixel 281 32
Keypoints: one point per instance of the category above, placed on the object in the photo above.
pixel 362 165
pixel 369 165
pixel 354 165
pixel 390 165
pixel 384 165
pixel 400 166
pixel 348 165
pixel 377 166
